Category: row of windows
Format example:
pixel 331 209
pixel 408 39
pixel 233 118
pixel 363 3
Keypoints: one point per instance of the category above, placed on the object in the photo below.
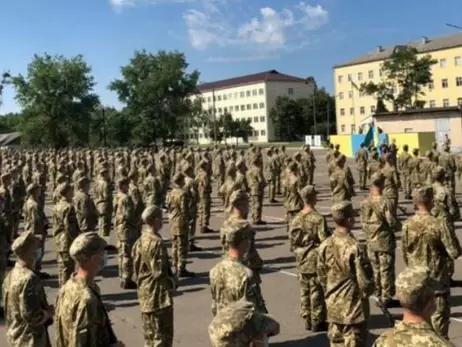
pixel 238 108
pixel 362 110
pixel 445 83
pixel 343 128
pixel 206 136
pixel 443 63
pixel 236 95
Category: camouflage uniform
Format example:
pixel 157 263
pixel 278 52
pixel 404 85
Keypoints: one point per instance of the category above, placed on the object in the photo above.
pixel 271 172
pixel 414 288
pixel 361 162
pixel 342 182
pixel 153 191
pixel 405 170
pixel 292 202
pixel 346 278
pixel 85 209
pixel 155 285
pixel 446 160
pixel 428 242
pixel 391 184
pixel 27 310
pixel 102 191
pixel 307 230
pixel 257 184
pixel 204 189
pixel 192 195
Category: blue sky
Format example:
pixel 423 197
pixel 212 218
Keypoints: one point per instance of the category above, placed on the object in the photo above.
pixel 221 38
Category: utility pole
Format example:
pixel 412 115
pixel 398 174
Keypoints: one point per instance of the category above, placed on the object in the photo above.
pixel 453 26
pixel 214 117
pixel 328 118
pixel 104 126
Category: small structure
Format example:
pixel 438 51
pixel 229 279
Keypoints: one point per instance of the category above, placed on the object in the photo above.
pixel 10 139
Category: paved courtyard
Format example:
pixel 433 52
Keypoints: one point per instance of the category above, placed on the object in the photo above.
pixel 280 285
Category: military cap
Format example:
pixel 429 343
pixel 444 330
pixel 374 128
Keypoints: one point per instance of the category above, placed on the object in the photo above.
pixel 82 180
pixel 308 191
pixel 415 287
pixel 238 196
pixel 123 181
pixel 151 212
pixel 422 195
pixel 63 188
pixel 235 231
pixel 377 179
pixel 438 173
pixel 86 244
pixel 177 178
pixel 31 188
pixel 24 242
pixel 342 210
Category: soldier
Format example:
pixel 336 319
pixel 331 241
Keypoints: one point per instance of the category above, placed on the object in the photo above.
pixel 126 232
pixel 414 168
pixel 416 292
pixel 330 152
pixel 240 324
pixel 219 167
pixel 103 200
pixel 85 209
pixel 346 277
pixel 361 162
pixel 257 185
pixel 154 275
pixel 65 230
pixel 428 242
pixel 7 212
pixel 405 172
pixel 375 164
pixel 435 153
pixel 177 204
pixel 342 182
pixel 204 189
pixel 307 230
pixel 293 202
pixel 230 279
pixel 446 160
pixel 192 195
pixel 135 195
pixel 241 179
pixel 379 225
pixel 152 188
pixel 391 183
pixel 81 317
pixel 28 314
pixel 271 171
pixel 18 194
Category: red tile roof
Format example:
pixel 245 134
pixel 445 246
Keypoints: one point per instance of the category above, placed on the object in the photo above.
pixel 267 76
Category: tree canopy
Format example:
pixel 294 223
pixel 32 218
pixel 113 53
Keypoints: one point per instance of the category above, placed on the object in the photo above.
pixel 404 77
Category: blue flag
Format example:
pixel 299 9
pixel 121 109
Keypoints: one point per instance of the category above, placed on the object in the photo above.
pixel 369 136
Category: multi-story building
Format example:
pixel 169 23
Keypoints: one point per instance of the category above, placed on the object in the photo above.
pixel 445 90
pixel 250 97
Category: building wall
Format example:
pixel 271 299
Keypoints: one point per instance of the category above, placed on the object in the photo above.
pixel 252 101
pixel 440 94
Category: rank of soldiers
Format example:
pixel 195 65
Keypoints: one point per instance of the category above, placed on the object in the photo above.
pixel 98 192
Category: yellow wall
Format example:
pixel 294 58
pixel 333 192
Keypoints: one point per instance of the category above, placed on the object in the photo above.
pixel 422 141
pixel 345 144
pixel 436 96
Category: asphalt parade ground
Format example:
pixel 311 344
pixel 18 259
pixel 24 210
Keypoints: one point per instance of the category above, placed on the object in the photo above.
pixel 279 281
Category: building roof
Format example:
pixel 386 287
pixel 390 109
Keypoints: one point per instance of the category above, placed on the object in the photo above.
pixel 424 45
pixel 6 139
pixel 420 111
pixel 266 76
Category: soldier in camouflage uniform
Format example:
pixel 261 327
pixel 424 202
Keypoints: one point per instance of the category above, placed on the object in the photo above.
pixel 4 247
pixel 154 275
pixel 102 191
pixel 192 195
pixel 18 194
pixel 426 167
pixel 177 204
pixel 126 231
pixel 391 183
pixel 7 212
pixel 28 314
pixel 361 163
pixel 153 191
pixel 81 318
pixel 65 230
pixel 416 290
pixel 447 162
pixel 405 171
pixel 375 164
pixel 271 172
pixel 257 185
pixel 230 279
pixel 428 242
pixel 135 195
pixel 342 182
pixel 307 230
pixel 204 189
pixel 293 202
pixel 240 324
pixel 346 277
pixel 379 225
pixel 85 209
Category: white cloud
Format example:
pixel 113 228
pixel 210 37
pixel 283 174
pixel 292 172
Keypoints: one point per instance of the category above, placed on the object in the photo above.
pixel 242 59
pixel 120 4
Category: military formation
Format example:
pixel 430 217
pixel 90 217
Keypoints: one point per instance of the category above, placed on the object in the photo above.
pixel 129 193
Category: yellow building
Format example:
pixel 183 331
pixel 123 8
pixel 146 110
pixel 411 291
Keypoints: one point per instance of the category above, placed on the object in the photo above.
pixel 352 108
pixel 251 97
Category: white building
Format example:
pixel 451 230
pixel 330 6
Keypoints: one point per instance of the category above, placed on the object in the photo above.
pixel 251 97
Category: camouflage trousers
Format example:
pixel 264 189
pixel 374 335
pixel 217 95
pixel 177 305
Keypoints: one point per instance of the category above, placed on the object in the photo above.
pixel 105 224
pixel 354 335
pixel 205 207
pixel 383 267
pixel 180 246
pixel 256 207
pixel 158 328
pixel 4 248
pixel 271 189
pixel 192 225
pixel 440 319
pixel 310 177
pixel 125 259
pixel 66 267
pixel 406 184
pixel 278 184
pixel 393 204
pixel 312 306
pixel 38 262
pixel 362 175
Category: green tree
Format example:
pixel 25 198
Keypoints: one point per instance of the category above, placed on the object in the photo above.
pixel 286 115
pixel 10 122
pixel 242 128
pixel 3 81
pixel 155 90
pixel 57 101
pixel 407 72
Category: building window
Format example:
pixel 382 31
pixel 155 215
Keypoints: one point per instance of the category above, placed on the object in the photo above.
pixel 249 119
pixel 432 104
pixel 291 91
pixel 218 97
pixel 230 108
pixel 263 133
pixel 225 97
pixel 431 85
pixel 443 63
pixel 458 81
pixel 254 92
pixel 226 109
pixel 255 106
pixel 350 77
pixel 444 83
pixel 342 127
pixel 241 94
pixel 340 96
pixel 209 99
pixel 350 94
pixel 220 110
pixel 242 107
pixel 255 119
pixel 360 76
pixel 458 61
pixel 353 128
pixel 262 105
pixel 372 109
pixel 255 133
pixel 230 96
pixel 249 106
pixel 262 118
pixel 445 102
pixel 247 93
pixel 340 79
pixel 261 91
pixel 342 111
pixel 362 110
pixel 236 95
pixel 352 111
pixel 236 108
pixel 371 74
pixel 459 101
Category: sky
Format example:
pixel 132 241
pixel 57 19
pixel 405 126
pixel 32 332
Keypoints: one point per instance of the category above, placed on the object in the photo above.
pixel 220 38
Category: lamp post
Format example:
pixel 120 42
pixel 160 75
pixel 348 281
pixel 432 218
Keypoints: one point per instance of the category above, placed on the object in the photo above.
pixel 310 81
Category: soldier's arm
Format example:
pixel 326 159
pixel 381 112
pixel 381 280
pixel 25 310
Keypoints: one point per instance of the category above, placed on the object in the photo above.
pixel 296 234
pixel 253 293
pixel 391 219
pixel 30 309
pixel 213 292
pixel 322 229
pixel 85 330
pixel 404 241
pixel 450 240
pixel 364 274
pixel 321 268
